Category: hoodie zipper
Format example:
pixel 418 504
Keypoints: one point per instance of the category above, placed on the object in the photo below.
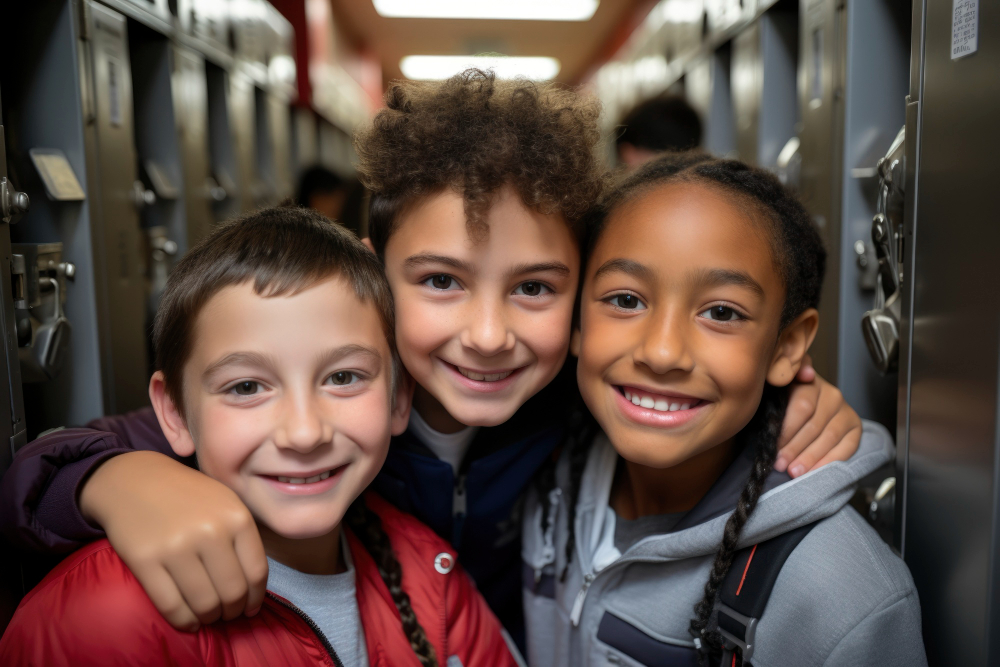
pixel 312 625
pixel 577 611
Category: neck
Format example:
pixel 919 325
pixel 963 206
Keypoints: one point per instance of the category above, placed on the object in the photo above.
pixel 312 555
pixel 639 490
pixel 432 412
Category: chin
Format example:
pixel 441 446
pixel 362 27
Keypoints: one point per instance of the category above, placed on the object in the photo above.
pixel 490 415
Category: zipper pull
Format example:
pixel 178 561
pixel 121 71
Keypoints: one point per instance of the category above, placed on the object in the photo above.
pixel 577 611
pixel 458 498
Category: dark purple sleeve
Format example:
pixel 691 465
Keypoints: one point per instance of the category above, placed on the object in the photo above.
pixel 39 493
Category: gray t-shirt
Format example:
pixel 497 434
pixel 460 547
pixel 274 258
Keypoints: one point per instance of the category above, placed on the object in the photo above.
pixel 330 601
pixel 628 532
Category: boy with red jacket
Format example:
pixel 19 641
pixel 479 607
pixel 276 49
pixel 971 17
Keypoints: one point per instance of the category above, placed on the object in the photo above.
pixel 274 344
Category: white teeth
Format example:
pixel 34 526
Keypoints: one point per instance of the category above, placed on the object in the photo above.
pixel 483 377
pixel 304 480
pixel 658 404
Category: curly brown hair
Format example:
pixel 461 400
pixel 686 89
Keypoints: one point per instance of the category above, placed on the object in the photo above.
pixel 475 133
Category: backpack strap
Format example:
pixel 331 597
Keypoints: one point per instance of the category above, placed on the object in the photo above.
pixel 746 589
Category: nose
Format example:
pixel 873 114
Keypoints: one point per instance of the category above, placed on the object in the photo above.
pixel 665 346
pixel 487 332
pixel 302 427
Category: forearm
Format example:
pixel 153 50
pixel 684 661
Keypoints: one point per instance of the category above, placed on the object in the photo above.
pixel 39 494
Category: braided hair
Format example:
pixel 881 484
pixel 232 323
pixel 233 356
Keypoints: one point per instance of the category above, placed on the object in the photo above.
pixel 799 255
pixel 367 526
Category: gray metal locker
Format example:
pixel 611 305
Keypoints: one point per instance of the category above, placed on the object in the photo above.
pixel 764 90
pixel 949 432
pixel 116 194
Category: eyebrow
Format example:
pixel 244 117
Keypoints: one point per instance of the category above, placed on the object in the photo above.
pixel 539 267
pixel 418 260
pixel 627 266
pixel 241 359
pixel 719 277
pixel 338 353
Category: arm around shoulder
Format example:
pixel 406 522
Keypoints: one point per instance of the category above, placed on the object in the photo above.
pixel 39 508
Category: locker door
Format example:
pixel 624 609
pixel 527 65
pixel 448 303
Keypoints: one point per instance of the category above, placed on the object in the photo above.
pixel 116 195
pixel 952 507
pixel 12 427
pixel 820 78
pixel 190 93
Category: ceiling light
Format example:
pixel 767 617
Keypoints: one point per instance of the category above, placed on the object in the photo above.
pixel 436 68
pixel 530 10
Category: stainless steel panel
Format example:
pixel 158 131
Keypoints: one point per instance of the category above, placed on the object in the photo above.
pixel 243 119
pixel 190 95
pixel 707 88
pixel 952 513
pixel 280 131
pixel 765 101
pixel 117 241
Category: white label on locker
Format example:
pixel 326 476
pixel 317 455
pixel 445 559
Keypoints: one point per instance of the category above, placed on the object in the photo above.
pixel 114 93
pixel 964 28
pixel 57 174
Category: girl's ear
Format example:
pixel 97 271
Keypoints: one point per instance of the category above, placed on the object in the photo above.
pixel 403 401
pixel 172 423
pixel 793 344
pixel 574 342
pixel 368 243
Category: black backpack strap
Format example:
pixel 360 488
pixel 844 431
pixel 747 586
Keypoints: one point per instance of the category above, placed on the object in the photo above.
pixel 746 589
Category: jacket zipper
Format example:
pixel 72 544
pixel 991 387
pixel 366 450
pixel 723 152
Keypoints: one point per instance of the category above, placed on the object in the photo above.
pixel 458 500
pixel 312 625
pixel 577 612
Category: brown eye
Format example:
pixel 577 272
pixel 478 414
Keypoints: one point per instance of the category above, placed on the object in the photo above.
pixel 531 288
pixel 442 281
pixel 627 302
pixel 246 388
pixel 722 314
pixel 342 378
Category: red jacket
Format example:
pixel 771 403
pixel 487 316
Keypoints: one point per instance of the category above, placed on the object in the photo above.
pixel 90 610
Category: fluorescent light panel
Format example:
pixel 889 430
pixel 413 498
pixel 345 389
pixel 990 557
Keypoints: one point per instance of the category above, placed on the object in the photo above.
pixel 436 68
pixel 525 10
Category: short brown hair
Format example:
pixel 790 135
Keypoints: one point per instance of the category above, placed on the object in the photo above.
pixel 475 134
pixel 283 250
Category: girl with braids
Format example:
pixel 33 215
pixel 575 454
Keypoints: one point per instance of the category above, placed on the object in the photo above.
pixel 697 309
pixel 277 375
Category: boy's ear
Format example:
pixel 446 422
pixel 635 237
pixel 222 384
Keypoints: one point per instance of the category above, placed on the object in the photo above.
pixel 793 344
pixel 368 243
pixel 574 342
pixel 404 400
pixel 171 422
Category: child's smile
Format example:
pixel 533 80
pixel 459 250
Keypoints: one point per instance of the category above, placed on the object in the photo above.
pixel 482 324
pixel 679 323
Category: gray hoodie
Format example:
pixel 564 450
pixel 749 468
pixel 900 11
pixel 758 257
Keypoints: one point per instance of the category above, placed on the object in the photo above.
pixel 842 598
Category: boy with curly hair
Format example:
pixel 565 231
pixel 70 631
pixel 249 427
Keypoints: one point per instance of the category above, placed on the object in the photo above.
pixel 479 187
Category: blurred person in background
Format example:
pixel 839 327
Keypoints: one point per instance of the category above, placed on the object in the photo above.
pixel 340 199
pixel 663 123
